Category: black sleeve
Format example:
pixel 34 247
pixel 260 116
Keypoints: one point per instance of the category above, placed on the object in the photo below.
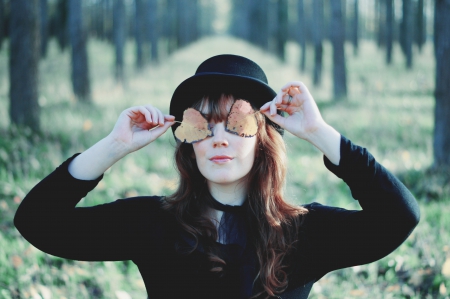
pixel 342 238
pixel 48 219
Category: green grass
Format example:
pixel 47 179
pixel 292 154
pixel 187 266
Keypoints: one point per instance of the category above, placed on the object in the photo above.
pixel 389 110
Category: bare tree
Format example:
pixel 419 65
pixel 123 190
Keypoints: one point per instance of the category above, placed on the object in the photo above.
pixel 240 19
pixel 355 27
pixel 60 27
pixel 258 25
pixel 406 34
pixel 442 93
pixel 187 29
pixel 317 32
pixel 139 19
pixel 44 27
pixel 153 28
pixel 282 30
pixel 420 35
pixel 381 25
pixel 23 63
pixel 301 24
pixel 79 62
pixel 2 22
pixel 171 24
pixel 119 37
pixel 389 29
pixel 338 38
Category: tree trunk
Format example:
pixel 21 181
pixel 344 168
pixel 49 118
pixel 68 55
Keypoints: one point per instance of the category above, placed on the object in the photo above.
pixel 302 32
pixel 420 25
pixel 100 22
pixel 139 32
pixel 442 93
pixel 2 23
pixel 78 39
pixel 258 25
pixel 338 38
pixel 406 34
pixel 240 22
pixel 381 13
pixel 187 22
pixel 61 24
pixel 182 28
pixel 282 30
pixel 44 27
pixel 171 25
pixel 153 29
pixel 23 63
pixel 119 37
pixel 389 30
pixel 183 23
pixel 317 32
pixel 355 27
pixel 108 7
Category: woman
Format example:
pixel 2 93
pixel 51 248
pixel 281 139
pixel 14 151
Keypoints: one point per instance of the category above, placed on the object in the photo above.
pixel 227 231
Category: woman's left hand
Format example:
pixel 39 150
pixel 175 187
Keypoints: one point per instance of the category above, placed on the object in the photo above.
pixel 304 118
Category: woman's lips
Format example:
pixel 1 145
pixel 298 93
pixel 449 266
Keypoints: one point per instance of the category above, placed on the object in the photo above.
pixel 220 159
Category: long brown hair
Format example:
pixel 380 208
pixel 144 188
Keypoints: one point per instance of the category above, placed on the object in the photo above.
pixel 274 223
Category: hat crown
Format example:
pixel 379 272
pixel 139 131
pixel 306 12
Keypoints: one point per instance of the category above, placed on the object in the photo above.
pixel 232 65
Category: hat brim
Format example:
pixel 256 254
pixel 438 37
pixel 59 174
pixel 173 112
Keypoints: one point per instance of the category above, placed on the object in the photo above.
pixel 196 87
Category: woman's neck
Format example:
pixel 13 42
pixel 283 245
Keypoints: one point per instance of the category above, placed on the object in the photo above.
pixel 231 194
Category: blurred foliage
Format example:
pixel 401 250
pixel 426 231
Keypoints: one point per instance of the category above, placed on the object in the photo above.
pixel 389 111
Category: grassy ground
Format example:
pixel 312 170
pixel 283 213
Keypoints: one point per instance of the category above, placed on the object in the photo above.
pixel 389 110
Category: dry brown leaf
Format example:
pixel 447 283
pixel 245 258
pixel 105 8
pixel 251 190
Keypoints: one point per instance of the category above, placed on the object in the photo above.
pixel 193 128
pixel 393 288
pixel 241 120
pixel 16 261
pixel 357 293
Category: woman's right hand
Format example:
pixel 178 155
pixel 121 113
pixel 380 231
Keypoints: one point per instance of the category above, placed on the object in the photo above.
pixel 138 126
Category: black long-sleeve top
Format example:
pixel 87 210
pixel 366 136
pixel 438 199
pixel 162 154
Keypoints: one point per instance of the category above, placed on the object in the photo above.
pixel 138 229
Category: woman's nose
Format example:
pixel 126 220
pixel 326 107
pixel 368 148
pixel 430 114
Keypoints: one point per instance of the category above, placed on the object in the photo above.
pixel 219 137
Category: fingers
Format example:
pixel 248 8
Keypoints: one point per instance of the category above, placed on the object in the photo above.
pixel 281 101
pixel 295 86
pixel 148 114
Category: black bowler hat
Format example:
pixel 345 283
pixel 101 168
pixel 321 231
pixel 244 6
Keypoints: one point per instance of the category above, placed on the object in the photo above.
pixel 230 74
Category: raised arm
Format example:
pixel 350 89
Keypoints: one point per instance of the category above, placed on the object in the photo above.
pixel 342 238
pixel 337 237
pixel 135 128
pixel 48 217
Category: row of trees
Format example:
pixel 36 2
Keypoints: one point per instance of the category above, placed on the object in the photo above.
pixel 159 27
pixel 270 24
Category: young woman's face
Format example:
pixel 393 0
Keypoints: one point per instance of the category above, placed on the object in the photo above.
pixel 225 158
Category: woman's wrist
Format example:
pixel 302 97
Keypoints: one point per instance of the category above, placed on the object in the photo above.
pixel 328 141
pixel 93 162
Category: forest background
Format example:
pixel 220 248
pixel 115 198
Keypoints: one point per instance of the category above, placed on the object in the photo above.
pixel 378 69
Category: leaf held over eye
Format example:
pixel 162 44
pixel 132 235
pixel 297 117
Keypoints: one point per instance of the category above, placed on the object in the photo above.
pixel 241 119
pixel 193 128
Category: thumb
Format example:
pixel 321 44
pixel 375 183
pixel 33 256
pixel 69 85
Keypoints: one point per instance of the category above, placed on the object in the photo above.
pixel 278 119
pixel 158 131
